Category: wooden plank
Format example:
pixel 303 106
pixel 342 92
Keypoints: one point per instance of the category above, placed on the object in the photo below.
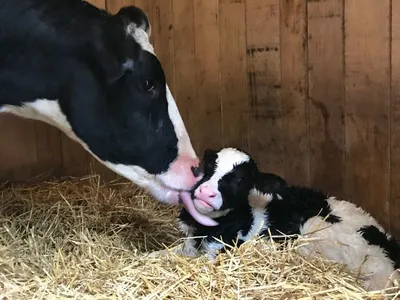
pixel 148 7
pixel 326 84
pixel 208 73
pixel 98 3
pixel 163 34
pixel 18 153
pixel 295 113
pixel 49 151
pixel 264 79
pixel 185 72
pixel 113 6
pixel 233 73
pixel 367 84
pixel 395 123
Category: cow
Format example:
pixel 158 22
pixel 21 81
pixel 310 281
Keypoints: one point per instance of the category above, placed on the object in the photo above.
pixel 95 76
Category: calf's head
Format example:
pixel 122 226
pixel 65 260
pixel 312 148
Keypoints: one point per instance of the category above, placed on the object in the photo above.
pixel 231 180
pixel 126 116
pixel 228 176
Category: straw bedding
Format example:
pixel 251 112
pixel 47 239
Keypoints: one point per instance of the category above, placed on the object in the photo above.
pixel 79 239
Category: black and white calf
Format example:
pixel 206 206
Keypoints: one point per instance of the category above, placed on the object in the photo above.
pixel 95 76
pixel 246 203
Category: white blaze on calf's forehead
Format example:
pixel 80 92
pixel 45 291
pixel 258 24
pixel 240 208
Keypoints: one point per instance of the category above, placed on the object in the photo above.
pixel 226 161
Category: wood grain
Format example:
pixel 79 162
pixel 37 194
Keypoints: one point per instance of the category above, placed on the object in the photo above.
pixel 113 6
pixel 264 80
pixel 208 73
pixel 326 85
pixel 48 147
pixel 163 33
pixel 185 71
pixel 232 26
pixel 367 84
pixel 395 122
pixel 295 108
pixel 18 154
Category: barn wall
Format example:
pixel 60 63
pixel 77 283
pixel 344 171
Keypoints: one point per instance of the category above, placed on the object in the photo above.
pixel 310 88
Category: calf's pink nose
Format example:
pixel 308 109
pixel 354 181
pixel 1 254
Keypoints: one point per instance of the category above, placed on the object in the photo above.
pixel 205 190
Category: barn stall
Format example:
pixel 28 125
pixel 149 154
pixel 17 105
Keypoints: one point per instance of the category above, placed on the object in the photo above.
pixel 310 88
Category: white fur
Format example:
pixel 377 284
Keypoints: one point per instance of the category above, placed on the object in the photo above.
pixel 141 37
pixel 257 199
pixel 341 242
pixel 184 144
pixel 44 110
pixel 227 159
pixel 49 111
pixel 211 249
pixel 260 223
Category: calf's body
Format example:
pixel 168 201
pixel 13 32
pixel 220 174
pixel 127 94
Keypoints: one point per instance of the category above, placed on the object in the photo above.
pixel 247 203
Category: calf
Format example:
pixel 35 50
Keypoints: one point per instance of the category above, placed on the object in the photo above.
pixel 95 76
pixel 246 203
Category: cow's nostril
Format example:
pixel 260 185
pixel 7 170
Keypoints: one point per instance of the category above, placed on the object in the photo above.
pixel 196 171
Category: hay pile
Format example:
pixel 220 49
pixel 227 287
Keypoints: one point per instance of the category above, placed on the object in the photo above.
pixel 78 239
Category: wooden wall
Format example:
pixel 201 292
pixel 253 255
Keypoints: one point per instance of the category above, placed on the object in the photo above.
pixel 310 88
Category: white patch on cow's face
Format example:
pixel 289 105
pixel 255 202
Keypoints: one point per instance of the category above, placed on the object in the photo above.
pixel 226 161
pixel 184 143
pixel 140 36
pixel 260 223
pixel 342 243
pixel 185 149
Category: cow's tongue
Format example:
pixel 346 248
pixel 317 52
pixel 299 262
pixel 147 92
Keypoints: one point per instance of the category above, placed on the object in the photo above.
pixel 188 203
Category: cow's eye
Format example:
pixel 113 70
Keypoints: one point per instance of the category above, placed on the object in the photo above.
pixel 148 85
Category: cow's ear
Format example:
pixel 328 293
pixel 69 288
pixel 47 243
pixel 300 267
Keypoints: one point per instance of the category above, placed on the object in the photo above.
pixel 133 14
pixel 118 53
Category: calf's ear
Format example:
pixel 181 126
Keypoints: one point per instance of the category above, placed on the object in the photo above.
pixel 258 199
pixel 266 187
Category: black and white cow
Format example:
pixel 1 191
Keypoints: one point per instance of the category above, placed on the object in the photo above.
pixel 247 203
pixel 95 76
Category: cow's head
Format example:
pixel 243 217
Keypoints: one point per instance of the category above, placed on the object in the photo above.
pixel 131 122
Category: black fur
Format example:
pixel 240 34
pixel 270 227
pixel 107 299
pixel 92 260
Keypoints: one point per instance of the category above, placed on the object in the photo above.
pixel 298 205
pixel 230 225
pixel 375 237
pixel 74 52
pixel 285 216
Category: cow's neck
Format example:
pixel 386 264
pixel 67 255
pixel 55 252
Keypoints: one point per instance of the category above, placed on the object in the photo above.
pixel 44 110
